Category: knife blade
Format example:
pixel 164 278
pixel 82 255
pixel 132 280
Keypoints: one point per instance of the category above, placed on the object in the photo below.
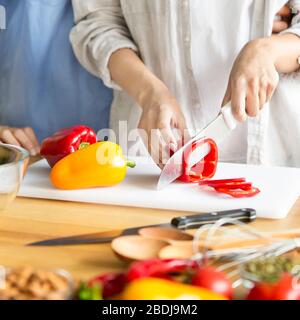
pixel 181 223
pixel 217 130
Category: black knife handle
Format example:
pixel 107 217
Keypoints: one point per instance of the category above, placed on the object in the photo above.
pixel 196 221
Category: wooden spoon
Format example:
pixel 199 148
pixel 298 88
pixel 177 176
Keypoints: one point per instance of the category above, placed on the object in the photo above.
pixel 132 248
pixel 167 243
pixel 176 252
pixel 166 234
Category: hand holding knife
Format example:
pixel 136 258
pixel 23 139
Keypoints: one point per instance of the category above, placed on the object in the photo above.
pixel 217 130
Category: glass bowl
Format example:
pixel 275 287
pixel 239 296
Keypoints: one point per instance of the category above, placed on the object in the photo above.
pixel 13 165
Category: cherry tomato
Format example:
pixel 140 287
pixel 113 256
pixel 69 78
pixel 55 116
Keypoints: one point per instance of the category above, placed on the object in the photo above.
pixel 261 291
pixel 214 280
pixel 287 288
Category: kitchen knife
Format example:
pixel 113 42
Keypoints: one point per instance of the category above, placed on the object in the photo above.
pixel 216 130
pixel 181 223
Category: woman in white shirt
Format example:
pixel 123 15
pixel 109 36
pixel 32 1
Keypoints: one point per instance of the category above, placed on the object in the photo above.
pixel 173 59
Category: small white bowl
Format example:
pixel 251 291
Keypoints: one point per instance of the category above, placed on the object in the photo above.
pixel 13 165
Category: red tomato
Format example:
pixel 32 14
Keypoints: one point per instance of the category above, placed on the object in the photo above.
pixel 261 291
pixel 287 288
pixel 214 280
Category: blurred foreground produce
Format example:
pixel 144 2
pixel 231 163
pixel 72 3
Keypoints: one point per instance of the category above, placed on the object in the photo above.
pixel 153 280
pixel 214 280
pixel 275 278
pixel 160 289
pixel 286 288
pixel 29 284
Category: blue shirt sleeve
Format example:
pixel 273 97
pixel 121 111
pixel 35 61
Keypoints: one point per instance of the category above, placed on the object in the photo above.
pixel 42 85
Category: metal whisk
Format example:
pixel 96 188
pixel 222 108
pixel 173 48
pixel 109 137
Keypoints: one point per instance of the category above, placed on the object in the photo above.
pixel 230 258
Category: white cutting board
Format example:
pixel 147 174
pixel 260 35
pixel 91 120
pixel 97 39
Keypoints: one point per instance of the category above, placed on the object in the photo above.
pixel 280 188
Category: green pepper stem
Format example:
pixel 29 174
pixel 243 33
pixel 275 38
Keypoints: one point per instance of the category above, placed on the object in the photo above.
pixel 130 163
pixel 83 145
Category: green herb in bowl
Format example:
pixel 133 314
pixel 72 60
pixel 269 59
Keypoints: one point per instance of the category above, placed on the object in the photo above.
pixel 268 270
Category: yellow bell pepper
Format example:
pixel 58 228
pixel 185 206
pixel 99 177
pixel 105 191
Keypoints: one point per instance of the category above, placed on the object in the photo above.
pixel 99 165
pixel 160 289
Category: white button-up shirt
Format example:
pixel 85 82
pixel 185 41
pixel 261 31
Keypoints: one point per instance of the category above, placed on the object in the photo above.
pixel 191 46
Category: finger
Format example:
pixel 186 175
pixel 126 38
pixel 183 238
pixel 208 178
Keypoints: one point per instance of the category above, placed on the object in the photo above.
pixel 272 86
pixel 25 141
pixel 252 101
pixel 144 134
pixel 167 122
pixel 7 137
pixel 182 133
pixel 166 144
pixel 227 96
pixel 285 11
pixel 169 138
pixel 270 92
pixel 238 101
pixel 280 26
pixel 155 146
pixel 262 97
pixel 30 133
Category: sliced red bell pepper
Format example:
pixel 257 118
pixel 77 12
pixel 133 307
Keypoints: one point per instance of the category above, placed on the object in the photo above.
pixel 248 193
pixel 234 186
pixel 222 181
pixel 65 142
pixel 205 168
pixel 237 187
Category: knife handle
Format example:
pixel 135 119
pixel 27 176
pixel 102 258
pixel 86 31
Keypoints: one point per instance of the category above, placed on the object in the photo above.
pixel 228 116
pixel 196 221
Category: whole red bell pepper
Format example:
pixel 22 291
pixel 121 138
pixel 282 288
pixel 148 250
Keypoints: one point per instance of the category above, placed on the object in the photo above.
pixel 65 142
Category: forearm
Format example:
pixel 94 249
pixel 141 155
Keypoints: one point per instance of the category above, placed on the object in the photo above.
pixel 130 73
pixel 285 51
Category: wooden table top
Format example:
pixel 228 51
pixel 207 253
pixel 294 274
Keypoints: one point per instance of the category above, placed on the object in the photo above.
pixel 28 220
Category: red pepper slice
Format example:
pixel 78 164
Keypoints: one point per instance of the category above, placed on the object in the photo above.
pixel 234 186
pixel 239 193
pixel 158 268
pixel 230 185
pixel 205 168
pixel 66 141
pixel 222 181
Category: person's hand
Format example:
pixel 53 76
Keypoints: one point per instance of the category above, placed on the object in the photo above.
pixel 163 124
pixel 253 79
pixel 24 137
pixel 283 19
